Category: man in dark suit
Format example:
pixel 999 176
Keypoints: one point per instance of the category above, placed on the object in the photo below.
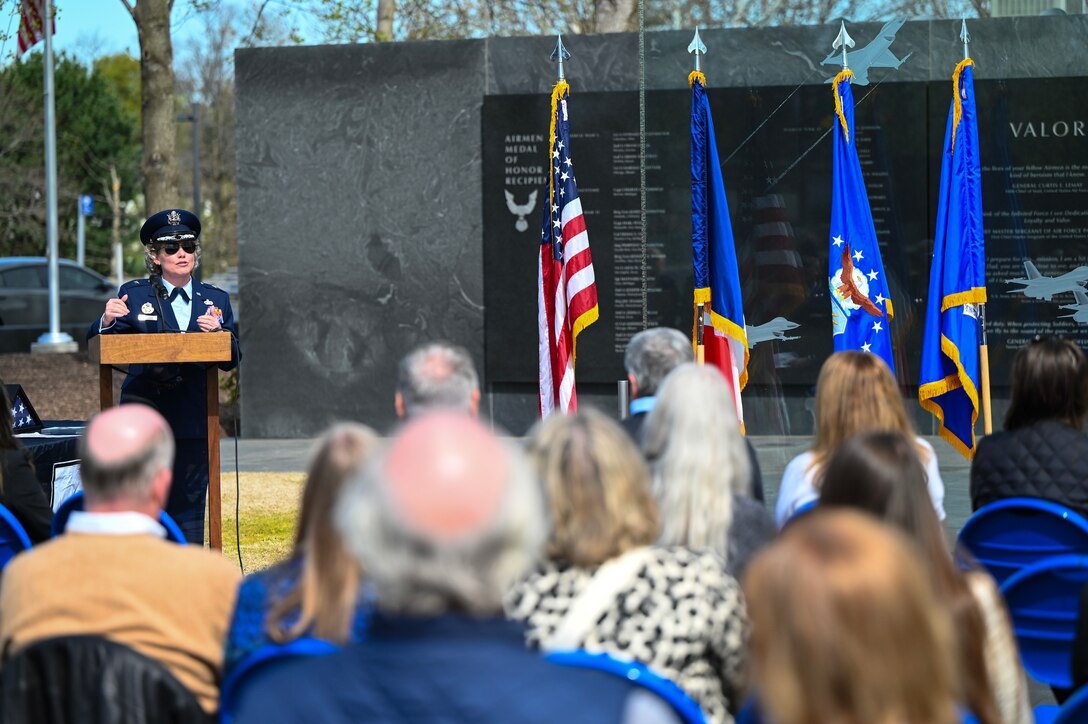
pixel 650 356
pixel 170 300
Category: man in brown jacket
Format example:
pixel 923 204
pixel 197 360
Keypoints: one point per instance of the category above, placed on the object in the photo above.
pixel 113 574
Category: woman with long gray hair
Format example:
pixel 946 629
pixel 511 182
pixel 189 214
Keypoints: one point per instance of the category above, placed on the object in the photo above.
pixel 700 471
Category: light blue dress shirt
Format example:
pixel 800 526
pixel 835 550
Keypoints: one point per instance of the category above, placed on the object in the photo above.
pixel 183 309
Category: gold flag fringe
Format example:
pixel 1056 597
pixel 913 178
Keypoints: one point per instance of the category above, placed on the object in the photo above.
pixel 844 75
pixel 957 100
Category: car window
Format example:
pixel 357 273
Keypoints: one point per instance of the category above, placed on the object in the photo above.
pixel 23 277
pixel 73 278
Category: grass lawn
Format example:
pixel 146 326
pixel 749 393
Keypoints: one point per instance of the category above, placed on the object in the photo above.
pixel 269 507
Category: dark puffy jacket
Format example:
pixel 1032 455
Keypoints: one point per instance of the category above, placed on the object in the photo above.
pixel 91 680
pixel 1046 460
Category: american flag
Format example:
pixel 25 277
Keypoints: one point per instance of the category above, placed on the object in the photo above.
pixel 20 415
pixel 31 27
pixel 566 288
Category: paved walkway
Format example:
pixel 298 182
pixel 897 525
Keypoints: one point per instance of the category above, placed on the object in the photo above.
pixel 773 452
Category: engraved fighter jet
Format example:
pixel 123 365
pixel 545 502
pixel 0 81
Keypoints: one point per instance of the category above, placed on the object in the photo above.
pixel 1038 286
pixel 775 329
pixel 876 54
pixel 1080 309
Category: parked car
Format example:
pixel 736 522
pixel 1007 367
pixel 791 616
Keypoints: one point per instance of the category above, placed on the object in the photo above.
pixel 24 300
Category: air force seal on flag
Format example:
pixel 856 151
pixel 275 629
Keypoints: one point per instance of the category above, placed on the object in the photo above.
pixel 850 290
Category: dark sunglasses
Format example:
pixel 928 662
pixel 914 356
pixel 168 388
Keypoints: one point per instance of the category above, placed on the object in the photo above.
pixel 171 247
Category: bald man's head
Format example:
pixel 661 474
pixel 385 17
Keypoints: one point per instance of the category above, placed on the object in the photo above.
pixel 126 450
pixel 446 518
pixel 446 475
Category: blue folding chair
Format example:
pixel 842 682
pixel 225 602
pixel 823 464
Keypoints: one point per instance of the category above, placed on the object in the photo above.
pixel 1073 711
pixel 1010 534
pixel 801 511
pixel 262 660
pixel 74 502
pixel 13 537
pixel 1042 601
pixel 638 673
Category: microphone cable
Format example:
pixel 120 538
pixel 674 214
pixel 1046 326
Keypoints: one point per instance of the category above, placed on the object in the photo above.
pixel 237 469
pixel 238 496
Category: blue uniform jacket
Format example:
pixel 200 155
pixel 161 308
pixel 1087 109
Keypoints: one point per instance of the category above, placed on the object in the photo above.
pixel 176 391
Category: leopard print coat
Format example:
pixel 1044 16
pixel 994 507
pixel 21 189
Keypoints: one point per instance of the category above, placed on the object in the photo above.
pixel 682 616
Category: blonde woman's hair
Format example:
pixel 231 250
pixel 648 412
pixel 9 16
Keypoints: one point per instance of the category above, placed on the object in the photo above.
pixel 846 627
pixel 697 458
pixel 856 393
pixel 328 586
pixel 597 485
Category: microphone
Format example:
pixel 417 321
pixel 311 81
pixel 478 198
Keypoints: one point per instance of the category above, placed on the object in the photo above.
pixel 156 283
pixel 160 294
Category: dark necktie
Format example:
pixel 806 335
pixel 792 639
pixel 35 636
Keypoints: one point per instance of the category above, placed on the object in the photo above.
pixel 176 292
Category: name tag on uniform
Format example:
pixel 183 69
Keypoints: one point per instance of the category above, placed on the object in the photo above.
pixel 147 317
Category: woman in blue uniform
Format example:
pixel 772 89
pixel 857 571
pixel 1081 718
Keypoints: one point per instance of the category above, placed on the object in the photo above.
pixel 170 300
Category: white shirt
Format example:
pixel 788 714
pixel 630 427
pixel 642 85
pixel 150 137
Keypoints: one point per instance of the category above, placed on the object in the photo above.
pixel 798 484
pixel 183 310
pixel 121 523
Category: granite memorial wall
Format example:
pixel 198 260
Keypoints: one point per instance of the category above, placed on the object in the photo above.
pixel 386 197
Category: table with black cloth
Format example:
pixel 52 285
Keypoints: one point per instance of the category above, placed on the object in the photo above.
pixel 56 460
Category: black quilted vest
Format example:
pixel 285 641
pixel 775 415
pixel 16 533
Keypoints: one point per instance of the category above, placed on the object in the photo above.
pixel 1046 460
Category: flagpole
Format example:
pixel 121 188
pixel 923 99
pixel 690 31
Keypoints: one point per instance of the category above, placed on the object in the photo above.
pixel 984 374
pixel 54 340
pixel 983 348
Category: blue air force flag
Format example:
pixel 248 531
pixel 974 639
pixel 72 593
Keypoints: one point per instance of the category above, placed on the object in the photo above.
pixel 949 383
pixel 861 308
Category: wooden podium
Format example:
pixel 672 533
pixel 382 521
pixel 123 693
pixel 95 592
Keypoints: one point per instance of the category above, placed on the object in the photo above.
pixel 200 347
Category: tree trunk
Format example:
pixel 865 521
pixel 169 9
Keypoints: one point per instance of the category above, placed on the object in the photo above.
pixel 615 16
pixel 386 10
pixel 159 162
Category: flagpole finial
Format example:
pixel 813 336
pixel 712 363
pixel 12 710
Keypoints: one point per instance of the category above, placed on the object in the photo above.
pixel 697 48
pixel 560 54
pixel 843 40
pixel 965 37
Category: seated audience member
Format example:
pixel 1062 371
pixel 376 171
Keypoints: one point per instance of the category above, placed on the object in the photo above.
pixel 442 522
pixel 20 491
pixel 1043 452
pixel 846 627
pixel 702 489
pixel 854 393
pixel 437 375
pixel 673 609
pixel 113 574
pixel 879 473
pixel 314 592
pixel 650 356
